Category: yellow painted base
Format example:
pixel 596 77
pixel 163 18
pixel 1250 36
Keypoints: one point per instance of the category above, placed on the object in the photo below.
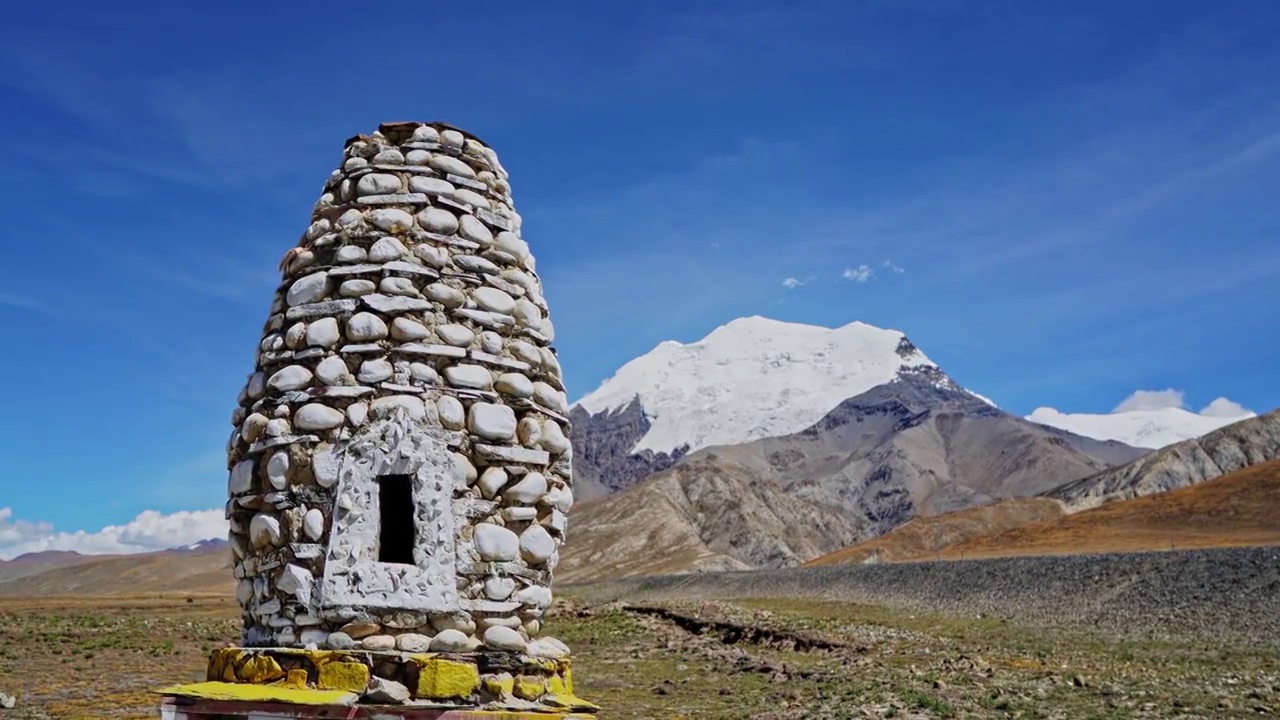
pixel 259 693
pixel 486 681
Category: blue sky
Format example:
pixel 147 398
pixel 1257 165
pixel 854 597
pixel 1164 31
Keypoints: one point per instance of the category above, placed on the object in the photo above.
pixel 1061 203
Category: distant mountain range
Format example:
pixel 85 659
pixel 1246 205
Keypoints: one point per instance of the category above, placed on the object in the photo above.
pixel 769 444
pixel 1151 429
pixel 744 450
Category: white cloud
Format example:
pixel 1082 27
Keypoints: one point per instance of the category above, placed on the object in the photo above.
pixel 861 274
pixel 889 264
pixel 1225 408
pixel 792 283
pixel 1170 398
pixel 1151 400
pixel 149 531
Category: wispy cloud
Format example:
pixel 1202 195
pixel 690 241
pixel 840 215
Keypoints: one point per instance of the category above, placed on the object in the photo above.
pixel 147 532
pixel 859 274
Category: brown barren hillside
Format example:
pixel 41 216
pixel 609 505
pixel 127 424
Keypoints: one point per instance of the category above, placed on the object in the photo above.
pixel 1235 510
pixel 923 536
pixel 200 572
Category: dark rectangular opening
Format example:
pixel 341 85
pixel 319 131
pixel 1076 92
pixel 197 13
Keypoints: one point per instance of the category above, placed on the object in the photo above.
pixel 397 535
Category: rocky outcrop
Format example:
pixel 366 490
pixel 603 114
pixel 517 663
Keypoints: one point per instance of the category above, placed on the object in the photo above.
pixel 704 515
pixel 604 460
pixel 1248 442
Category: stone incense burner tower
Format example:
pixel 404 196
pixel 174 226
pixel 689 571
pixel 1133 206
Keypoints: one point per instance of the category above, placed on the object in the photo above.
pixel 400 469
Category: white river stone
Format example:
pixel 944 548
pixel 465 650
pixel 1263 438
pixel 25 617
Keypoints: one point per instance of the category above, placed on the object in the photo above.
pixel 374 371
pixel 278 469
pixel 451 166
pixel 473 198
pixel 349 218
pixel 406 330
pixel 449 297
pixel 536 545
pixel 379 643
pixel 499 588
pixel 491 342
pixel 547 647
pixel 357 413
pixel 529 432
pixel 292 377
pixel 253 427
pixel 323 333
pixel 496 544
pixel 491 482
pixel 387 406
pixel 398 286
pixel 452 414
pixel 529 490
pixel 474 230
pixel 504 638
pixel 456 335
pixel 525 352
pixel 474 377
pixel 514 385
pixel 241 480
pixel 553 438
pixel 450 641
pixel 295 335
pixel 315 416
pixel 411 643
pixel 452 138
pixel 424 373
pixel 430 186
pixel 425 134
pixel 349 254
pixel 535 596
pixel 387 249
pixel 550 398
pixel 333 371
pixel 391 220
pixel 492 421
pixel 438 220
pixel 308 289
pixel 389 156
pixel 527 314
pixel 432 256
pixel 560 498
pixel 356 287
pixel 519 514
pixel 366 327
pixel 493 300
pixel 378 184
pixel 264 531
pixel 313 524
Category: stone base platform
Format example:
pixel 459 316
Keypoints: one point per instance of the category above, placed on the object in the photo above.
pixel 271 683
pixel 190 709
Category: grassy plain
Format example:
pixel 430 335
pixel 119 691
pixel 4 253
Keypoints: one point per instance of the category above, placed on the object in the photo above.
pixel 762 659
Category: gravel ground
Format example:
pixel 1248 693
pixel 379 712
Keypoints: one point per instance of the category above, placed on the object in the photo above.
pixel 1228 593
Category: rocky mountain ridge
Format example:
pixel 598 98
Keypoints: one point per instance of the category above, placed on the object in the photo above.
pixel 1240 445
pixel 917 445
pixel 749 379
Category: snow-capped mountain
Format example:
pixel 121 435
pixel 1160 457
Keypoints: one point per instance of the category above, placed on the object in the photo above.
pixel 751 378
pixel 1140 428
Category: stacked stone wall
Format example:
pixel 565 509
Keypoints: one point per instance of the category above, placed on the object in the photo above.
pixel 410 305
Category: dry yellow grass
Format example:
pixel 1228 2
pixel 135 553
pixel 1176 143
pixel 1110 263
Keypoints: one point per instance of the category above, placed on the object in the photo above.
pixel 921 537
pixel 1234 510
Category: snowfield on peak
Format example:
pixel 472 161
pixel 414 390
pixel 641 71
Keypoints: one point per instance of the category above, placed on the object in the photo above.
pixel 752 378
pixel 1138 428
